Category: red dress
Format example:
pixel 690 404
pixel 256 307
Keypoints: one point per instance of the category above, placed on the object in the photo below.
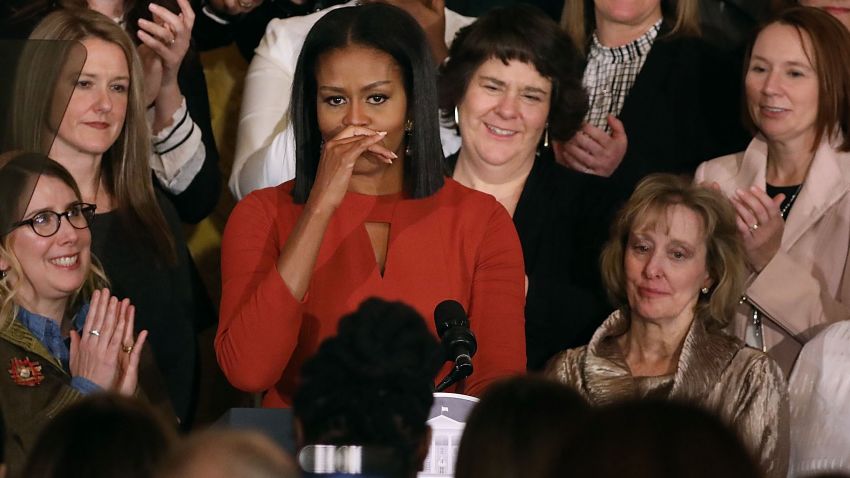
pixel 455 244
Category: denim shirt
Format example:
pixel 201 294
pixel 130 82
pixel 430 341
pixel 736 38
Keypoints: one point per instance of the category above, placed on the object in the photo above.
pixel 49 334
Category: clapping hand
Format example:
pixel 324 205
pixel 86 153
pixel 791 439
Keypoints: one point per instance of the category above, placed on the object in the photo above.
pixel 168 36
pixel 592 150
pixel 760 224
pixel 106 354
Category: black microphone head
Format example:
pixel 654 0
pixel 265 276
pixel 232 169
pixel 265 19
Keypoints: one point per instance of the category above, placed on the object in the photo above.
pixel 449 313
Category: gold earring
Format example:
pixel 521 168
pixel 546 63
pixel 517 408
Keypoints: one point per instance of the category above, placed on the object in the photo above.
pixel 408 125
pixel 457 117
pixel 546 136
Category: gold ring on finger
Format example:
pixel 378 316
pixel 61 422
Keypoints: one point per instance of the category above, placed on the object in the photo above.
pixel 127 349
pixel 754 227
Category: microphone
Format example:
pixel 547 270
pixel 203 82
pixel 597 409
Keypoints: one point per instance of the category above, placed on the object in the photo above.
pixel 458 342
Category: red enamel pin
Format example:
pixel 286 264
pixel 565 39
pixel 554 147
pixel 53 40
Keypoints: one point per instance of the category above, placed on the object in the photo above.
pixel 26 372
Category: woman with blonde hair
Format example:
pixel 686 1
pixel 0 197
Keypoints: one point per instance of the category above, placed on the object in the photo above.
pixel 674 268
pixel 104 141
pixel 51 289
pixel 661 98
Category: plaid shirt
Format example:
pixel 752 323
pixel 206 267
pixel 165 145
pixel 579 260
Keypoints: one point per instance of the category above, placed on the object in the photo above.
pixel 610 74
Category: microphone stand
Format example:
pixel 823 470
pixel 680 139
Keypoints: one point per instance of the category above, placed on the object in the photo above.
pixel 462 369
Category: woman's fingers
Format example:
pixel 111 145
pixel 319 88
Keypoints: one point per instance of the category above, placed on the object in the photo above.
pixel 352 132
pixel 168 17
pixel 577 158
pixel 186 13
pixel 137 348
pixel 130 366
pixel 750 201
pixel 743 228
pixel 90 316
pixel 744 213
pixel 598 135
pixel 385 154
pixel 99 316
pixel 154 44
pixel 587 142
pixel 110 324
pixel 350 148
pixel 130 316
pixel 164 34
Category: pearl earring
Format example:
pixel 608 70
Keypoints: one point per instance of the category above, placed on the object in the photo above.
pixel 704 290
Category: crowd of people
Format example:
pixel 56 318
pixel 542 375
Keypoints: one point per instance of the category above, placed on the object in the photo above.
pixel 644 208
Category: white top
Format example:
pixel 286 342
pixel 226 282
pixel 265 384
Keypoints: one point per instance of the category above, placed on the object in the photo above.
pixel 177 152
pixel 819 391
pixel 265 141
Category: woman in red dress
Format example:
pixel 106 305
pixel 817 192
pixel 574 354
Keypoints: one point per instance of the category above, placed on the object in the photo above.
pixel 369 213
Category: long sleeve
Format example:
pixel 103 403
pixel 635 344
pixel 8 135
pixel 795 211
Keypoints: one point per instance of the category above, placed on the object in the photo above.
pixel 199 198
pixel 177 153
pixel 260 320
pixel 819 391
pixel 496 306
pixel 802 306
pixel 761 415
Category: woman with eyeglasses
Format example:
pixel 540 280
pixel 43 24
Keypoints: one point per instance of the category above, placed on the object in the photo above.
pixel 62 335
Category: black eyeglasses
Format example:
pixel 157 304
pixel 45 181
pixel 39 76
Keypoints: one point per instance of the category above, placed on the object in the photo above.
pixel 46 223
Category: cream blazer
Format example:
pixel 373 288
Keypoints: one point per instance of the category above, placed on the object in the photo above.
pixel 265 140
pixel 805 287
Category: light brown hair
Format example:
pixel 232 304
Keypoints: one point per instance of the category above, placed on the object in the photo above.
pixel 830 59
pixel 579 19
pixel 125 166
pixel 654 195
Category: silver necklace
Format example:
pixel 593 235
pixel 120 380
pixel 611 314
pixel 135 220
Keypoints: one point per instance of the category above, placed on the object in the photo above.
pixel 784 211
pixel 758 331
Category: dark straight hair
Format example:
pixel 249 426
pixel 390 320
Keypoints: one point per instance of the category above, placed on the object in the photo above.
pixel 390 30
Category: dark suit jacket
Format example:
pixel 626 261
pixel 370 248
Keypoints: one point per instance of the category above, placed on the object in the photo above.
pixel 560 222
pixel 684 108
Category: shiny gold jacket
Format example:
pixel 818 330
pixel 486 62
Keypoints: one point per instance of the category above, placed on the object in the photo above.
pixel 745 387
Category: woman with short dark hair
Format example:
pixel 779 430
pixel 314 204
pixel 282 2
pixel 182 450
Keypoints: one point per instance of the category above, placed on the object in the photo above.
pixel 368 214
pixel 512 85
